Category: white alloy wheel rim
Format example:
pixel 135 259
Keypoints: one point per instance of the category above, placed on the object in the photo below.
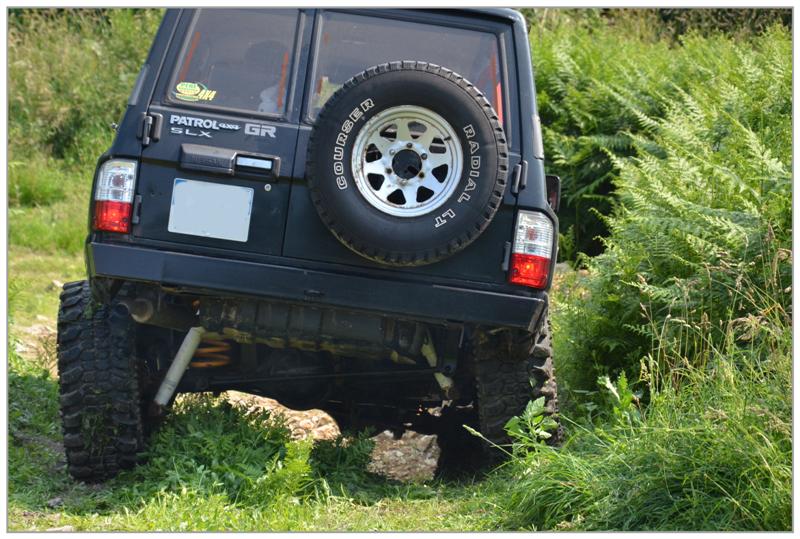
pixel 407 161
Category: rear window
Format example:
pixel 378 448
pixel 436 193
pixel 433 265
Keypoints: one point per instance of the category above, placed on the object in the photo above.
pixel 238 59
pixel 348 44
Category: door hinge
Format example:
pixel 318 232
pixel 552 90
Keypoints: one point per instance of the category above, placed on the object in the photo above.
pixel 520 179
pixel 150 130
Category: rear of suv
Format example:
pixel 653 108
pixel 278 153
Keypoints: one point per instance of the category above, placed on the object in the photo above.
pixel 339 209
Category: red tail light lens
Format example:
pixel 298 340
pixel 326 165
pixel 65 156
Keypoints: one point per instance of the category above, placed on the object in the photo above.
pixel 532 250
pixel 112 216
pixel 529 270
pixel 113 196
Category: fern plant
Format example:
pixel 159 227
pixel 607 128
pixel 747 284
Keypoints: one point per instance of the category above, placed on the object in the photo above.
pixel 704 213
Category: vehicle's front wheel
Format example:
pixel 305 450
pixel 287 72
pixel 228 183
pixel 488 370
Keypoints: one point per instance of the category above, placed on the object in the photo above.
pixel 100 397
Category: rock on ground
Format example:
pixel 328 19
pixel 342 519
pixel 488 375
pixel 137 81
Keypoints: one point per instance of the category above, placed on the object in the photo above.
pixel 411 458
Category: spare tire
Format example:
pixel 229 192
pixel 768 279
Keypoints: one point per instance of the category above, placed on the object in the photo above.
pixel 407 163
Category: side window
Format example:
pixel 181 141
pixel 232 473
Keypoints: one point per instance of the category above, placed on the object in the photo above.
pixel 237 59
pixel 348 44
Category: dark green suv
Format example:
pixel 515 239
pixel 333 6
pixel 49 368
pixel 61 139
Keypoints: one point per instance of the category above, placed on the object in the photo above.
pixel 340 209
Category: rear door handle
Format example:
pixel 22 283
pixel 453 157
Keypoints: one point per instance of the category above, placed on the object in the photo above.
pixel 227 161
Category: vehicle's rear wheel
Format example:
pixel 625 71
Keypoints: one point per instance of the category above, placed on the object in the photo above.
pixel 504 386
pixel 101 402
pixel 407 163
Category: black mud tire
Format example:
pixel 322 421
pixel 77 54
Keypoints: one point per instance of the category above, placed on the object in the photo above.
pixel 443 231
pixel 504 386
pixel 100 398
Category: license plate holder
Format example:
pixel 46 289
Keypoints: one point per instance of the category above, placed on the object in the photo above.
pixel 210 210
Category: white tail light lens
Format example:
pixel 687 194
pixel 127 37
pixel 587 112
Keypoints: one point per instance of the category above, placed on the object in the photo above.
pixel 113 196
pixel 532 250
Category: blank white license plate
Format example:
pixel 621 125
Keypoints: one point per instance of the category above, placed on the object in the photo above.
pixel 210 210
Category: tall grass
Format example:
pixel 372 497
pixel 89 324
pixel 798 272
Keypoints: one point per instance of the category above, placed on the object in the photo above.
pixel 70 72
pixel 69 75
pixel 691 303
pixel 712 452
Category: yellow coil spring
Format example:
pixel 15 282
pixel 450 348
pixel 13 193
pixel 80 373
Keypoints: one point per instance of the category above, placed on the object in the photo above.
pixel 211 353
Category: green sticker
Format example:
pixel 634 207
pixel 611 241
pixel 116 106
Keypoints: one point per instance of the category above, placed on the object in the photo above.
pixel 193 91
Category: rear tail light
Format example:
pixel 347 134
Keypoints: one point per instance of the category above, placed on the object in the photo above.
pixel 113 196
pixel 532 250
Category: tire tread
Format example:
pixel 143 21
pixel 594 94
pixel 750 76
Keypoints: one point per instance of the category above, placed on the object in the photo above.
pixel 98 385
pixel 470 234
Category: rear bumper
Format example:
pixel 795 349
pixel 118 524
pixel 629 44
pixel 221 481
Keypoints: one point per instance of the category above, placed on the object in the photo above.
pixel 403 299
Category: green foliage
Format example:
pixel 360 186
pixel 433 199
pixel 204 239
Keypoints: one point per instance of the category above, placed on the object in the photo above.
pixel 621 400
pixel 665 23
pixel 739 22
pixel 702 232
pixel 712 452
pixel 211 446
pixel 691 298
pixel 532 426
pixel 69 75
pixel 599 74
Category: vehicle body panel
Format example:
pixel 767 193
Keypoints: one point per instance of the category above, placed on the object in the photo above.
pixel 286 231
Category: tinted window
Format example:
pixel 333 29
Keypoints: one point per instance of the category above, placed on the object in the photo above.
pixel 237 59
pixel 348 44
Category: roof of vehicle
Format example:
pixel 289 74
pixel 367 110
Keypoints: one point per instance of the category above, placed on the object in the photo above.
pixel 498 12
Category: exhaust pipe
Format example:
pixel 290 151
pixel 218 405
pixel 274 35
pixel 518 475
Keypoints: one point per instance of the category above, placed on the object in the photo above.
pixel 144 311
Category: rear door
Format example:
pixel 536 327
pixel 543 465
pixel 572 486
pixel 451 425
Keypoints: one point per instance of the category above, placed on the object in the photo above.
pixel 217 165
pixel 348 41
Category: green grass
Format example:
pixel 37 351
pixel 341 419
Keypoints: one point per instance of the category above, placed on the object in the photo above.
pixel 710 452
pixel 34 279
pixel 215 466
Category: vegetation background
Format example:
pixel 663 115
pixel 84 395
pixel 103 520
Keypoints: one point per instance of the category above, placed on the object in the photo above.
pixel 671 130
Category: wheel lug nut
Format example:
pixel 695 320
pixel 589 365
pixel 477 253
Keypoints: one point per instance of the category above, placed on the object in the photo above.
pixel 391 152
pixel 408 145
pixel 424 156
pixel 421 174
pixel 388 171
